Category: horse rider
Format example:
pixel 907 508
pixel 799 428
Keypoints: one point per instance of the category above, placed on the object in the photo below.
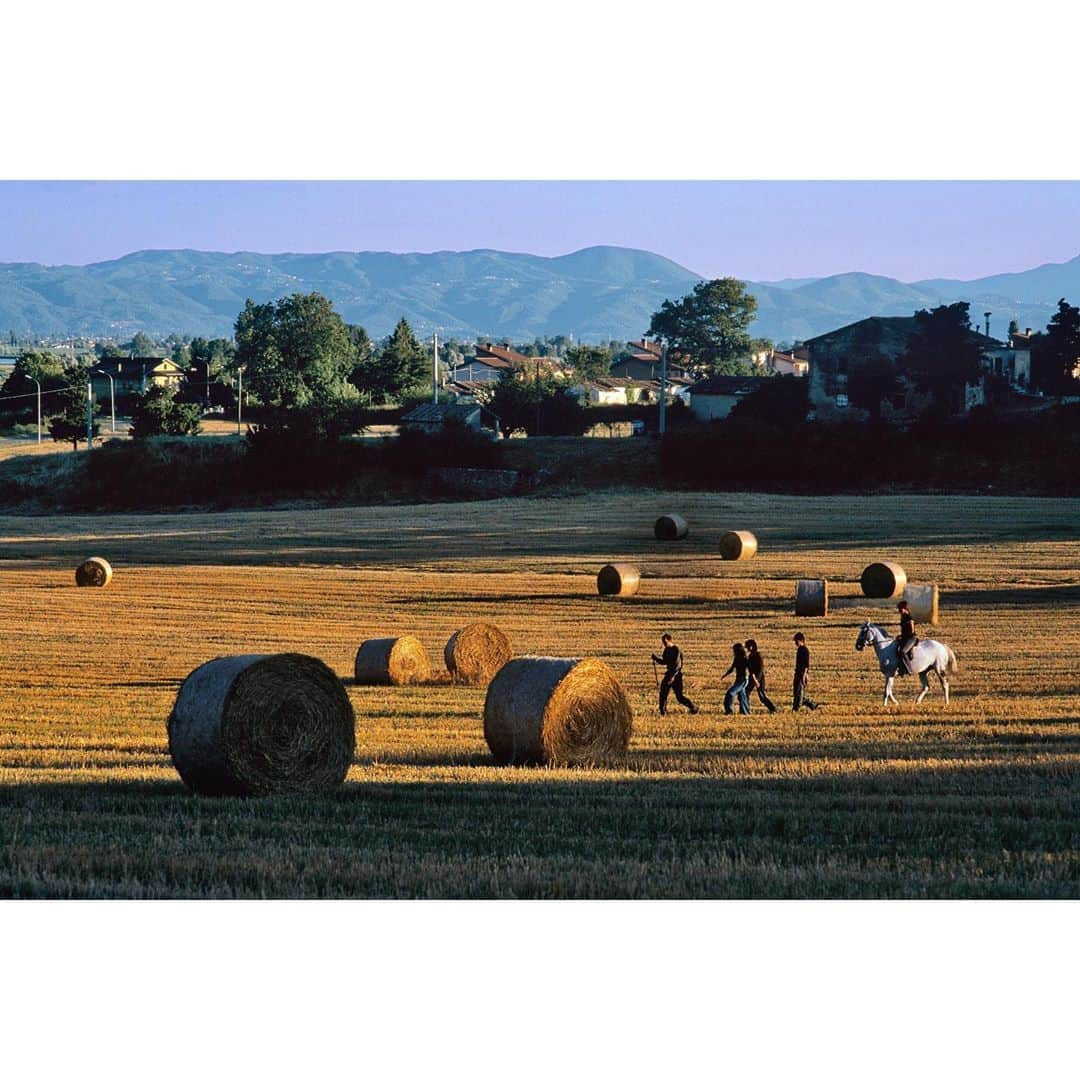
pixel 906 642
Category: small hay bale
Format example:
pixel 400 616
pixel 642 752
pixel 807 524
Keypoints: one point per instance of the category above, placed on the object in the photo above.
pixel 922 602
pixel 883 580
pixel 545 710
pixel 670 527
pixel 392 662
pixel 262 725
pixel 812 597
pixel 738 545
pixel 476 652
pixel 95 571
pixel 618 579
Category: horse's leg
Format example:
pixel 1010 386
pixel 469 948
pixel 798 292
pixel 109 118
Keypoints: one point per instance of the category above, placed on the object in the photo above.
pixel 925 687
pixel 888 691
pixel 944 684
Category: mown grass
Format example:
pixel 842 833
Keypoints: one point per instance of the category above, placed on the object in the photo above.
pixel 979 800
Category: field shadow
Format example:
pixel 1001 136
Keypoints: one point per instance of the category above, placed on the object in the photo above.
pixel 1005 828
pixel 1020 596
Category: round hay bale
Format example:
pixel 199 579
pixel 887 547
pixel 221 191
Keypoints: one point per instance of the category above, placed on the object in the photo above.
pixel 738 545
pixel 262 725
pixel 670 527
pixel 95 571
pixel 618 579
pixel 545 710
pixel 812 597
pixel 475 652
pixel 922 602
pixel 392 662
pixel 883 580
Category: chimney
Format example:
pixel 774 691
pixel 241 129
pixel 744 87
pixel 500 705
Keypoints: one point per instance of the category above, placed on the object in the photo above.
pixel 986 316
pixel 1027 332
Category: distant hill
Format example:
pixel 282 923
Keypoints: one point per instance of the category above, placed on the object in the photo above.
pixel 596 293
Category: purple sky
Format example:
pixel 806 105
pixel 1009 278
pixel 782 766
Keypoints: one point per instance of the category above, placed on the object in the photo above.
pixel 761 230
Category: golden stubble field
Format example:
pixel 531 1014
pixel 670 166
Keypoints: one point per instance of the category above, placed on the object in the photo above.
pixel 981 799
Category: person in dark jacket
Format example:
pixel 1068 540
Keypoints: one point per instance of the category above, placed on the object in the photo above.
pixel 907 641
pixel 799 696
pixel 755 664
pixel 672 659
pixel 742 680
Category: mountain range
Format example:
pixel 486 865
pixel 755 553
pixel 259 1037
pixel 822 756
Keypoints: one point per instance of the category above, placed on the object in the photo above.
pixel 596 294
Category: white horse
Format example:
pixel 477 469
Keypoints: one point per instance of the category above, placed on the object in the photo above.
pixel 927 656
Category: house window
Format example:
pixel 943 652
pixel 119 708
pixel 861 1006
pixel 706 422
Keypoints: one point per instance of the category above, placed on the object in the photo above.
pixel 841 365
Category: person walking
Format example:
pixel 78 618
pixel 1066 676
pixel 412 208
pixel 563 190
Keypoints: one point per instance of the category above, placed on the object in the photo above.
pixel 672 659
pixel 799 696
pixel 755 665
pixel 907 641
pixel 739 686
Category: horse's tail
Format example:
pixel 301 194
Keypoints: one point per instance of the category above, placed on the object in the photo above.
pixel 952 667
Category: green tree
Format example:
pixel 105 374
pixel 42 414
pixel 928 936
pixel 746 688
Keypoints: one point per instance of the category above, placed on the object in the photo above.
pixel 538 405
pixel 709 325
pixel 1014 327
pixel 157 412
pixel 296 351
pixel 18 395
pixel 943 354
pixel 141 345
pixel 589 361
pixel 205 365
pixel 69 422
pixel 1055 353
pixel 400 368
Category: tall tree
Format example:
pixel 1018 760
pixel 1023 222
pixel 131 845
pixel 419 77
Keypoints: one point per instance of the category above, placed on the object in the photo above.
pixel 296 351
pixel 69 423
pixel 402 367
pixel 589 361
pixel 1056 353
pixel 709 325
pixel 942 353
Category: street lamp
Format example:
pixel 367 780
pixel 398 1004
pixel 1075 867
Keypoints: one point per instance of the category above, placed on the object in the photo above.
pixel 38 385
pixel 112 394
pixel 239 397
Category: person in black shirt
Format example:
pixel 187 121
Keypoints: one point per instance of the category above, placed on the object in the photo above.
pixel 907 641
pixel 672 659
pixel 742 680
pixel 755 664
pixel 799 696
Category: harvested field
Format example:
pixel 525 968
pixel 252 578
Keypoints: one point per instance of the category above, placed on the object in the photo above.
pixel 981 800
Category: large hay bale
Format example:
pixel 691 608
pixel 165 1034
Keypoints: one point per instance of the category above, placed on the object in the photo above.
pixel 883 580
pixel 476 652
pixel 670 527
pixel 812 597
pixel 922 602
pixel 392 662
pixel 95 571
pixel 738 545
pixel 262 725
pixel 550 711
pixel 618 579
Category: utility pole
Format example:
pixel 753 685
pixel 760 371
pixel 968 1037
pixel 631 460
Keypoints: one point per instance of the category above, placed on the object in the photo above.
pixel 38 385
pixel 89 413
pixel 663 388
pixel 435 369
pixel 239 397
pixel 537 387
